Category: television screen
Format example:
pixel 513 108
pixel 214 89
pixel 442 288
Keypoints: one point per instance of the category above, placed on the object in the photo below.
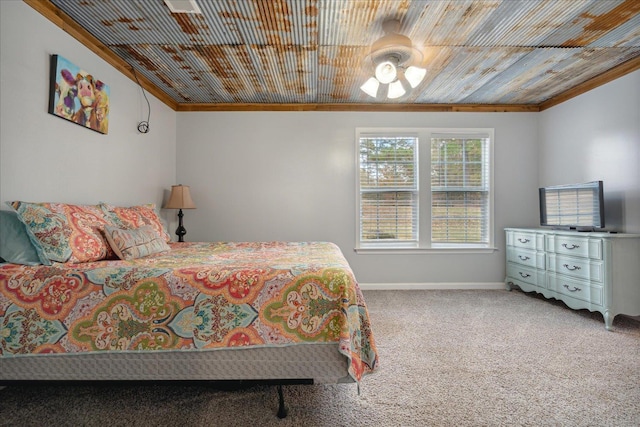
pixel 579 206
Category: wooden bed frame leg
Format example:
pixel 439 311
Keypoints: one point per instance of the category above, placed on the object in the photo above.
pixel 282 409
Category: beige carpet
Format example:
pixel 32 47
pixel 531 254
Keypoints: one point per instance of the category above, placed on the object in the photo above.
pixel 448 358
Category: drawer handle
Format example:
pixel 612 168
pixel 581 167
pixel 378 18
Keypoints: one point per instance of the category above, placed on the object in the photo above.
pixel 523 258
pixel 521 240
pixel 524 275
pixel 575 288
pixel 573 268
pixel 570 247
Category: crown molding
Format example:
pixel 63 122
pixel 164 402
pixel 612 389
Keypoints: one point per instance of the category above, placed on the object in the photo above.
pixel 403 108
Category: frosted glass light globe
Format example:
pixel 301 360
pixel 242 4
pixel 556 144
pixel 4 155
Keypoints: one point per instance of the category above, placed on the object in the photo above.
pixel 370 87
pixel 414 75
pixel 386 72
pixel 395 90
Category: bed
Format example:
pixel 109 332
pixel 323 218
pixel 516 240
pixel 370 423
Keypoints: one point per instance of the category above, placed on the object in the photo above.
pixel 122 302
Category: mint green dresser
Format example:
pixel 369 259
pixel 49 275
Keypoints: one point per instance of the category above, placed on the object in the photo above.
pixel 594 271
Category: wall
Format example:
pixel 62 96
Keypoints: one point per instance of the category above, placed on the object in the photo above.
pixel 291 176
pixel 596 136
pixel 46 158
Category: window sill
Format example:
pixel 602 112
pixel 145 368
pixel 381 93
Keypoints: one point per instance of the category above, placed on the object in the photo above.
pixel 418 251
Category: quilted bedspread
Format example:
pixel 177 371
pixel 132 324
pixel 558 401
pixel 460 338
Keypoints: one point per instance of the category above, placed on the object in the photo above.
pixel 195 297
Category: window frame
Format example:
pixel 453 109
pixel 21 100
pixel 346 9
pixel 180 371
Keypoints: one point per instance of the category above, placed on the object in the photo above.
pixel 424 244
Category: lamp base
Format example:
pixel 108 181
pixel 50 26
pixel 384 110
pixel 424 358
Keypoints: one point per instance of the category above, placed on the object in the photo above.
pixel 180 231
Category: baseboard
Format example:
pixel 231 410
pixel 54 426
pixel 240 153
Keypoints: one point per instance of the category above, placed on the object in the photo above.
pixel 429 286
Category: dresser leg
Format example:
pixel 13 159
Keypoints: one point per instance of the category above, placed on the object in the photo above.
pixel 508 286
pixel 608 320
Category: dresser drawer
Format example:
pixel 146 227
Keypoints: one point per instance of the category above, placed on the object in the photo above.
pixel 580 268
pixel 575 289
pixel 526 257
pixel 574 246
pixel 524 240
pixel 526 274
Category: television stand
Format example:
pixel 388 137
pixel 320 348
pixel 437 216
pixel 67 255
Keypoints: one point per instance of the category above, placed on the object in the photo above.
pixel 597 271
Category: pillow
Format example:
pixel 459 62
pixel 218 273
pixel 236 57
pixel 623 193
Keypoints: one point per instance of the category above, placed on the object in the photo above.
pixel 15 244
pixel 136 217
pixel 66 233
pixel 137 243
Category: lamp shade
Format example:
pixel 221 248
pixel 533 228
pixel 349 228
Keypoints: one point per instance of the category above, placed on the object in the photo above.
pixel 180 198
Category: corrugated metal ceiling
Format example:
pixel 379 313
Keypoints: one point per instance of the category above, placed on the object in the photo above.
pixel 493 52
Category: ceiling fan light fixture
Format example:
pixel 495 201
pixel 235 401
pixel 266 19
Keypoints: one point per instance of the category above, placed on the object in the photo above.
pixel 415 75
pixel 393 60
pixel 386 72
pixel 396 90
pixel 370 87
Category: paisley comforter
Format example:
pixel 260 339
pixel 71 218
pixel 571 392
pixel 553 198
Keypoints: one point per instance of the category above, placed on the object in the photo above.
pixel 196 297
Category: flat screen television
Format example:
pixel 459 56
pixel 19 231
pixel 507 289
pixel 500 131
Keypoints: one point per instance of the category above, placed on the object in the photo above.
pixel 573 207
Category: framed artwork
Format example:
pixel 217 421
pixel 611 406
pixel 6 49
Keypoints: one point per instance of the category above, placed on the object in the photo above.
pixel 78 96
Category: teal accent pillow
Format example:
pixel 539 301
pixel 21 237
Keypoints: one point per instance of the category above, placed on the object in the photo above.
pixel 47 228
pixel 15 244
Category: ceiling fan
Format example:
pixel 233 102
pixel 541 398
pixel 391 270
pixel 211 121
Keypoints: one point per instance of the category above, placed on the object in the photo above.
pixel 393 59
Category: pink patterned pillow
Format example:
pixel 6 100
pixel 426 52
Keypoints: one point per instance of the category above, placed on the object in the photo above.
pixel 66 233
pixel 136 217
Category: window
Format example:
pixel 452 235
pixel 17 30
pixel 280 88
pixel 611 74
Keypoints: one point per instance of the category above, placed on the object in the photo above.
pixel 459 189
pixel 388 188
pixel 424 189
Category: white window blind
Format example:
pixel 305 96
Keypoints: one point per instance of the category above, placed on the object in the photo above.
pixel 460 189
pixel 388 188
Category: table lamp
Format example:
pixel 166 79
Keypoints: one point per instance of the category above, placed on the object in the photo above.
pixel 180 198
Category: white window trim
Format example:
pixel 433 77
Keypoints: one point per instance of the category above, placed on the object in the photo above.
pixel 424 244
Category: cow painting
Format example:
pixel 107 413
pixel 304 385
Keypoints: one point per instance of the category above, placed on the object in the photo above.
pixel 78 96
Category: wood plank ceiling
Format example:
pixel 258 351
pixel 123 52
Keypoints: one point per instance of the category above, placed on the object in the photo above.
pixel 480 55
